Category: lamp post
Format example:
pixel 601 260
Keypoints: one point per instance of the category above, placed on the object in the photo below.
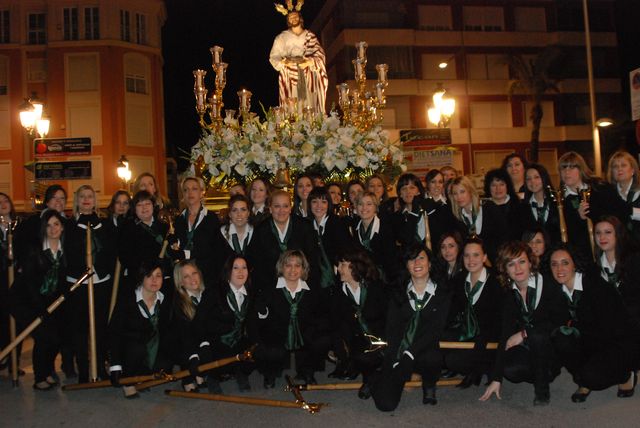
pixel 32 117
pixel 442 110
pixel 123 171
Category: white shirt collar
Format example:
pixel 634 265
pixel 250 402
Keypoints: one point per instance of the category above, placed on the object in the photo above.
pixel 430 288
pixel 569 192
pixel 198 295
pixel 47 246
pixel 577 285
pixel 356 292
pixel 159 298
pixel 478 219
pixel 624 194
pixel 228 234
pixel 440 198
pixel 242 290
pixel 282 234
pixel 374 229
pixel 302 285
pixel 257 209
pixel 201 216
pixel 532 284
pixel 323 223
pixel 482 278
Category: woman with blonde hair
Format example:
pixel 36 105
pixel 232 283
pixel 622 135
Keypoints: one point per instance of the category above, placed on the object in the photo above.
pixel 623 173
pixel 147 181
pixel 586 197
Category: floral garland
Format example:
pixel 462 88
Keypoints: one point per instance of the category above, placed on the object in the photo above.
pixel 237 153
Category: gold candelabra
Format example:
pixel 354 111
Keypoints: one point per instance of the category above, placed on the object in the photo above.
pixel 361 107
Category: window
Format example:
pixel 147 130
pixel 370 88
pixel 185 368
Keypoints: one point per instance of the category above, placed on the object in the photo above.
pixel 483 18
pixel 82 72
pixel 530 19
pixel 37 29
pixel 70 23
pixel 125 26
pixel 136 74
pixel 5 27
pixel 480 66
pixel 36 70
pixel 141 29
pixel 434 18
pixel 91 23
pixel 490 115
pixel 136 84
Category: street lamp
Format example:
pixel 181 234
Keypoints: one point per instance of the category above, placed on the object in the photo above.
pixel 32 118
pixel 124 173
pixel 442 110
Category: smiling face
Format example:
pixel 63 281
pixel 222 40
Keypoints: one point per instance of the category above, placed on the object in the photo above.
pixel 408 192
pixel 86 201
pixel 515 169
pixel 144 210
pixel 435 186
pixel 239 213
pixel 153 282
pixel 605 236
pixel 367 208
pixel 474 258
pixel 258 193
pixel 449 250
pixel 336 194
pixel 192 193
pixel 498 189
pixel 57 202
pixel 191 279
pixel 354 191
pixel 562 267
pixel 304 186
pixel 533 180
pixel 419 267
pixel 148 183
pixel 280 209
pixel 239 273
pixel 54 228
pixel 292 270
pixel 519 269
pixel 376 186
pixel 537 245
pixel 319 208
pixel 462 196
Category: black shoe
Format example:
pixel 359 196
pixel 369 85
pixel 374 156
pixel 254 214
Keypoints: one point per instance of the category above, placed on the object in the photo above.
pixel 364 393
pixel 448 374
pixel 243 382
pixel 581 394
pixel 42 386
pixel 309 379
pixel 429 396
pixel 213 385
pixel 541 399
pixel 626 393
pixel 470 379
pixel 269 382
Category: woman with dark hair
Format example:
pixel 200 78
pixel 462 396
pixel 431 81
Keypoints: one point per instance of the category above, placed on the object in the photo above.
pixel 409 220
pixel 7 220
pixel 586 196
pixel 416 318
pixel 331 232
pixel 436 186
pixel 354 189
pixel 618 258
pixel 118 208
pixel 377 184
pixel 597 344
pixel 335 191
pixel 138 328
pixel 532 308
pixel 474 315
pixel 147 181
pixel 497 185
pixel 449 256
pixel 292 317
pixel 259 191
pixel 142 237
pixel 302 187
pixel 358 313
pixel 103 250
pixel 539 208
pixel 515 165
pixel 198 231
pixel 226 323
pixel 538 239
pixel 42 281
pixel 624 173
pixel 237 232
pixel 188 294
pixel 476 219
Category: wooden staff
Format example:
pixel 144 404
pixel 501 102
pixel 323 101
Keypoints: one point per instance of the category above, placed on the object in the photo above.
pixel 558 196
pixel 12 320
pixel 299 398
pixel 350 386
pixel 93 357
pixel 36 322
pixel 585 196
pixel 245 356
pixel 130 380
pixel 114 290
pixel 168 218
pixel 427 230
pixel 310 407
pixel 465 345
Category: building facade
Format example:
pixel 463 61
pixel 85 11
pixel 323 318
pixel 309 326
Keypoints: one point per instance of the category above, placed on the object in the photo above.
pixel 474 37
pixel 97 66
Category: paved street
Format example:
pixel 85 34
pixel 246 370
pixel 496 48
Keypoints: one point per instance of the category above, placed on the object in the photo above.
pixel 24 407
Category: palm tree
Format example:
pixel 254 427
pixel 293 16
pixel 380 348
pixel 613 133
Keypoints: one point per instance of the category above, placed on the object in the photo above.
pixel 531 77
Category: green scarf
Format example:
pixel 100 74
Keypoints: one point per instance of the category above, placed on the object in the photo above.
pixel 327 277
pixel 358 306
pixel 236 243
pixel 190 232
pixel 469 322
pixel 572 303
pixel 412 327
pixel 282 244
pixel 365 234
pixel 156 236
pixel 294 335
pixel 471 225
pixel 153 343
pixel 232 338
pixel 50 281
pixel 526 310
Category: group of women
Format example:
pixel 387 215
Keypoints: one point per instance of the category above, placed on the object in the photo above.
pixel 372 283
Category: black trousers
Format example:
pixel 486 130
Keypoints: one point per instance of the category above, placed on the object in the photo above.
pixel 533 361
pixel 134 360
pixel 77 321
pixel 387 385
pixel 220 350
pixel 271 359
pixel 466 361
pixel 593 368
pixel 352 352
pixel 47 340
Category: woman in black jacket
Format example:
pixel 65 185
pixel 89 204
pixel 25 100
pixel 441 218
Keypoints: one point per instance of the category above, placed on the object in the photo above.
pixel 539 207
pixel 416 318
pixel 532 308
pixel 138 330
pixel 225 323
pixel 596 344
pixel 42 281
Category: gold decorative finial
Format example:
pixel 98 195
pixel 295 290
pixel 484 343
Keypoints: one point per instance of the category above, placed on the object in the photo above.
pixel 286 10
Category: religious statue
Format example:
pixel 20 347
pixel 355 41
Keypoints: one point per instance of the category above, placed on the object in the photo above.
pixel 298 57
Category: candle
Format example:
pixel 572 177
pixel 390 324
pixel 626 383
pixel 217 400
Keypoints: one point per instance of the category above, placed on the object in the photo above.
pixel 361 47
pixel 359 67
pixel 382 73
pixel 221 74
pixel 343 94
pixel 244 97
pixel 380 92
pixel 216 53
pixel 214 105
pixel 278 114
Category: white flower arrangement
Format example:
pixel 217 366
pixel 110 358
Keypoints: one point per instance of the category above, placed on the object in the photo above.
pixel 257 148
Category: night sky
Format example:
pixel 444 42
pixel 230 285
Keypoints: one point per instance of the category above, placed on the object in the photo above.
pixel 245 29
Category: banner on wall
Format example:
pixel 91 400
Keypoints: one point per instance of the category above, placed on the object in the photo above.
pixel 426 149
pixel 48 147
pixel 68 170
